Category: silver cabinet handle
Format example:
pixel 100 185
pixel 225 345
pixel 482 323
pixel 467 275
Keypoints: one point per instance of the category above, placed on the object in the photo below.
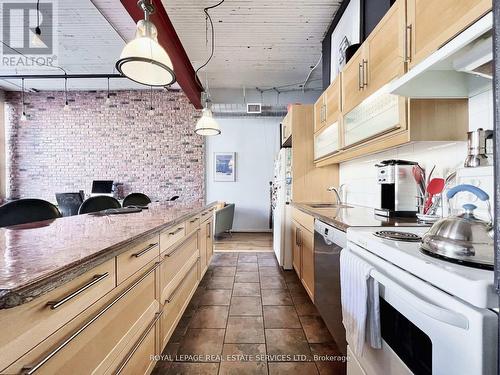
pixel 180 245
pixel 138 343
pixel 408 44
pixel 174 293
pixel 97 278
pixel 194 220
pixel 31 369
pixel 360 73
pixel 176 231
pixel 365 73
pixel 209 230
pixel 144 251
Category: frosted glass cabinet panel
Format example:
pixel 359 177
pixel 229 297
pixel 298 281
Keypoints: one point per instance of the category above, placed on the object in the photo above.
pixel 326 141
pixel 377 114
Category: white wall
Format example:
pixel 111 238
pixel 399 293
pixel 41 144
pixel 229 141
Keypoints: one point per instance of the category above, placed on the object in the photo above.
pixel 360 175
pixel 255 141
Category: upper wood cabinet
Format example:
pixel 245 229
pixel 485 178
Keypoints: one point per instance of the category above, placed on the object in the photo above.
pixel 327 107
pixel 286 129
pixel 379 60
pixel 432 23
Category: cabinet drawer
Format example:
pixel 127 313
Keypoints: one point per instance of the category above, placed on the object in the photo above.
pixel 27 325
pixel 306 220
pixel 205 215
pixel 176 302
pixel 131 261
pixel 192 224
pixel 173 262
pixel 170 236
pixel 101 340
pixel 139 360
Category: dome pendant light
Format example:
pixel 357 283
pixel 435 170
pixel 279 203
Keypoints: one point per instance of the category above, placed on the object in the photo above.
pixel 143 60
pixel 207 125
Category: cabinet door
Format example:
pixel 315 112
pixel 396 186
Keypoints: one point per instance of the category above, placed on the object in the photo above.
pixel 307 274
pixel 332 102
pixel 296 261
pixel 210 241
pixel 352 85
pixel 432 23
pixel 384 50
pixel 319 113
pixel 202 246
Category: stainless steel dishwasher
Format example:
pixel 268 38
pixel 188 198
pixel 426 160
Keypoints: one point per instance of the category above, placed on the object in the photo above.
pixel 328 243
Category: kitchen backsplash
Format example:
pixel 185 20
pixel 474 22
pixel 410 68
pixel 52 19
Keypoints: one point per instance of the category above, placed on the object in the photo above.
pixel 359 175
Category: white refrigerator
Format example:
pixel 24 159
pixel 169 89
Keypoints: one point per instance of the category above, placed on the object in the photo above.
pixel 282 195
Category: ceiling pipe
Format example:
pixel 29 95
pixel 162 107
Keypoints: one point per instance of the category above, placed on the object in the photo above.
pixel 168 39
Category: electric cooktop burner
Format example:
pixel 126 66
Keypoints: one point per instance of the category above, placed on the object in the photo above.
pixel 398 236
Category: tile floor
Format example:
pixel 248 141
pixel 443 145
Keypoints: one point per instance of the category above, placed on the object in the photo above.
pixel 249 317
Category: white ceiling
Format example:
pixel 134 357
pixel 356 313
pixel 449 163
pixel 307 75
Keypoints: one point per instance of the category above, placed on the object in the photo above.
pixel 259 43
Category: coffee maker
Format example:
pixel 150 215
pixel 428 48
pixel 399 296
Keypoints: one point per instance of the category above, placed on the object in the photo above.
pixel 398 189
pixel 477 148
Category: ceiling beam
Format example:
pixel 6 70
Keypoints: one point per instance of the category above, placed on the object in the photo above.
pixel 168 39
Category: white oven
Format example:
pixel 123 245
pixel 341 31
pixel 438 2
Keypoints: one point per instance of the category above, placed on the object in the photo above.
pixel 425 330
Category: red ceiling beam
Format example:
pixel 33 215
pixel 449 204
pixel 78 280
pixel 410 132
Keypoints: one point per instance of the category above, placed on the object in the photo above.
pixel 168 39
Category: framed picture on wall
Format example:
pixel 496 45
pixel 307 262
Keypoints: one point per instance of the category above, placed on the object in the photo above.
pixel 225 166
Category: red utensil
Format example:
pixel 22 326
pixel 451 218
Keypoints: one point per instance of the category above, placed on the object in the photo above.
pixel 436 186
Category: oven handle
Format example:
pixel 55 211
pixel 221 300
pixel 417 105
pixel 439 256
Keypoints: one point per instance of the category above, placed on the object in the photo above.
pixel 427 308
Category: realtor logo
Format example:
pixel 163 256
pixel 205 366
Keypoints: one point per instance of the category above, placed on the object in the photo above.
pixel 28 29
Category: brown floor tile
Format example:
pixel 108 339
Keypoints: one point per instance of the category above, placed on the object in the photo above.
pixel 281 317
pixel 247 277
pixel 246 368
pixel 216 297
pixel 221 282
pixel 268 262
pixel 210 317
pixel 245 306
pixel 272 282
pixel 247 258
pixel 181 329
pixel 315 329
pixel 330 360
pixel 204 342
pixel 267 254
pixel 246 289
pixel 291 276
pixel 251 352
pixel 185 368
pixel 223 271
pixel 269 271
pixel 245 329
pixel 295 286
pixel 298 294
pixel 227 262
pixel 247 267
pixel 288 342
pixel 304 306
pixel 288 368
pixel 276 297
pixel 168 356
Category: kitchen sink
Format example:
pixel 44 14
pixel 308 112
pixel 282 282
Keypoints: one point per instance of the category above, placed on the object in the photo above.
pixel 329 205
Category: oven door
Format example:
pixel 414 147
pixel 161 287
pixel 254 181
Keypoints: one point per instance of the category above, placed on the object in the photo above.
pixel 425 330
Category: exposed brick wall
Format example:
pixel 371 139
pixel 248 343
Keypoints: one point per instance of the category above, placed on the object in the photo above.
pixel 63 151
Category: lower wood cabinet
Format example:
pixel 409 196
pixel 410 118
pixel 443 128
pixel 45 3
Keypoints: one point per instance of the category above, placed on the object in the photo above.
pixel 303 256
pixel 94 324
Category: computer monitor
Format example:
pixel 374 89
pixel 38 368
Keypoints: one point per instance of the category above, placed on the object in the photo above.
pixel 102 187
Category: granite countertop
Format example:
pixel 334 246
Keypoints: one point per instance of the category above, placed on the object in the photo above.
pixel 354 216
pixel 38 257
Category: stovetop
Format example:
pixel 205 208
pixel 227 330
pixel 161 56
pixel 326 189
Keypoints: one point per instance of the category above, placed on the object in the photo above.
pixel 473 285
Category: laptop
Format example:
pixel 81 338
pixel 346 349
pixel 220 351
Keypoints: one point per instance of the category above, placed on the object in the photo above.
pixel 102 187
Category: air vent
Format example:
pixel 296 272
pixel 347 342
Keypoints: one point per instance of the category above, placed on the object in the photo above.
pixel 254 108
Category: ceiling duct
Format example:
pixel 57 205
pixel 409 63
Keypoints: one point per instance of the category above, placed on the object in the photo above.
pixel 240 110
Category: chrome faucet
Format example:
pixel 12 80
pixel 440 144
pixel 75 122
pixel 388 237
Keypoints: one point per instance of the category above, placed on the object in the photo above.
pixel 336 191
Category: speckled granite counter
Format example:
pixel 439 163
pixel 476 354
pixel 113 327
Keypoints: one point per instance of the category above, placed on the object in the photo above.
pixel 354 216
pixel 36 258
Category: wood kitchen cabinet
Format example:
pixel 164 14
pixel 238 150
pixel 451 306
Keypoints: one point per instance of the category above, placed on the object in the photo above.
pixel 431 23
pixel 286 130
pixel 378 61
pixel 309 184
pixel 303 249
pixel 327 107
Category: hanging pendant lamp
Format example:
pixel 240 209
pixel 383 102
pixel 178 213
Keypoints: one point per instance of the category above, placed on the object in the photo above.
pixel 207 125
pixel 143 60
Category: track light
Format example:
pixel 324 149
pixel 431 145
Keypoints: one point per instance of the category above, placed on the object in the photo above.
pixel 36 40
pixel 66 104
pixel 143 60
pixel 108 99
pixel 23 116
